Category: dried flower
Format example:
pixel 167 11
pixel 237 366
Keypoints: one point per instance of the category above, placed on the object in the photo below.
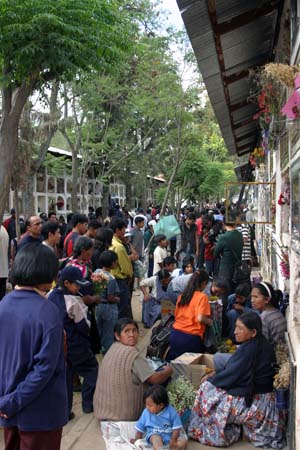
pixel 282 378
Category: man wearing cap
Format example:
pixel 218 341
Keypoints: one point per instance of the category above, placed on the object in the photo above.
pixel 74 313
pixel 123 272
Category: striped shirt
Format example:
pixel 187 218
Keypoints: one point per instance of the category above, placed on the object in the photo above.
pixel 246 254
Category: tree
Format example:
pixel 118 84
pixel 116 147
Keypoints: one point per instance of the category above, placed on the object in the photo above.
pixel 44 40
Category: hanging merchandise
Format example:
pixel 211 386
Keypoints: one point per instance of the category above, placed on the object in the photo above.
pixel 292 107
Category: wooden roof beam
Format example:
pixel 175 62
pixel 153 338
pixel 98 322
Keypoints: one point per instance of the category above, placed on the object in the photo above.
pixel 243 147
pixel 245 18
pixel 242 123
pixel 245 136
pixel 238 105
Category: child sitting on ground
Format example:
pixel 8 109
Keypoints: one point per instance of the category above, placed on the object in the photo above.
pixel 160 422
pixel 74 313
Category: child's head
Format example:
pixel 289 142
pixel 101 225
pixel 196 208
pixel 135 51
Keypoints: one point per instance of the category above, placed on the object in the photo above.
pixel 188 264
pixel 169 263
pixel 71 279
pixel 156 399
pixel 161 240
pixel 108 259
pixel 242 291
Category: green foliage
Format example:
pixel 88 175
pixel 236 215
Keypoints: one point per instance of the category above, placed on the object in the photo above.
pixel 58 166
pixel 160 195
pixel 181 394
pixel 54 39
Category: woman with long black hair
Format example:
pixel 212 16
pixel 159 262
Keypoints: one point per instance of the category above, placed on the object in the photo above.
pixel 192 315
pixel 240 396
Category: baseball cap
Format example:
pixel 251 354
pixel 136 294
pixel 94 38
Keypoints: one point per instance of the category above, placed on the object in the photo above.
pixel 73 275
pixel 151 223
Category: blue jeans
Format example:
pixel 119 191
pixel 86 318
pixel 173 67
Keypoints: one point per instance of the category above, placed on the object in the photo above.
pixel 106 317
pixel 86 366
pixel 124 306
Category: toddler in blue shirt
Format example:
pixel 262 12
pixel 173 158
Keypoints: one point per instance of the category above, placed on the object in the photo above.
pixel 159 423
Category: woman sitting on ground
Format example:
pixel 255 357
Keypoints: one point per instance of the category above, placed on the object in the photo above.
pixel 192 315
pixel 123 376
pixel 240 395
pixel 152 301
pixel 266 300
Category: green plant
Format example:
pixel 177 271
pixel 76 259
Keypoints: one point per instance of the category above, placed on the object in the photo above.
pixel 181 394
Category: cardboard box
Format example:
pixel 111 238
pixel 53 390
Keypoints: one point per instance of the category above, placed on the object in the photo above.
pixel 167 307
pixel 193 366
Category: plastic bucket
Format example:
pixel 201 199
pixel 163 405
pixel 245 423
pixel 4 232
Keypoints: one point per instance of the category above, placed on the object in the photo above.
pixel 282 398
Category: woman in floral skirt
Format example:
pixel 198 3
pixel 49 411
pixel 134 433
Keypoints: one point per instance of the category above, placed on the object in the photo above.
pixel 240 397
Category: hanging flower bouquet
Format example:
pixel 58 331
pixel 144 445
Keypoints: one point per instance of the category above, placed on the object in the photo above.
pixel 285 196
pixel 99 280
pixel 284 264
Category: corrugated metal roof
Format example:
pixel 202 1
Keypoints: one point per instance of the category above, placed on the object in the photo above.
pixel 229 37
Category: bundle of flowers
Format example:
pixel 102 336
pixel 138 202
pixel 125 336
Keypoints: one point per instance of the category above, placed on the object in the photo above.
pixel 181 394
pixel 285 269
pixel 285 196
pixel 100 281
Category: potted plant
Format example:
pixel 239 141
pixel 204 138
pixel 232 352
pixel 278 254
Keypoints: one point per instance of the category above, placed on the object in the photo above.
pixel 182 396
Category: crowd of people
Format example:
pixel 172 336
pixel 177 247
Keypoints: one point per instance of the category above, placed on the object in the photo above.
pixel 71 290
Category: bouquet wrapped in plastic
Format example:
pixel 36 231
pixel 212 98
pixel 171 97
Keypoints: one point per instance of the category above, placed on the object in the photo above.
pixel 99 280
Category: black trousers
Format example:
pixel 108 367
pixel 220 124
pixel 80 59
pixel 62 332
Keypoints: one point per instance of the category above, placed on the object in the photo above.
pixel 2 287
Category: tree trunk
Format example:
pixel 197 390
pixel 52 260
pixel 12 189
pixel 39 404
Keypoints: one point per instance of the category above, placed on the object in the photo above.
pixel 105 200
pixel 170 182
pixel 74 180
pixel 8 149
pixel 28 197
pixel 12 106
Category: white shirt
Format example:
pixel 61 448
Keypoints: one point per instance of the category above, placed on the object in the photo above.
pixel 4 240
pixel 159 254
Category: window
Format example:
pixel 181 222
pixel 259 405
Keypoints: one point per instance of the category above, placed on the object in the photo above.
pixel 255 201
pixel 60 203
pixel 41 203
pixel 40 182
pixel 51 185
pixel 69 186
pixel 60 185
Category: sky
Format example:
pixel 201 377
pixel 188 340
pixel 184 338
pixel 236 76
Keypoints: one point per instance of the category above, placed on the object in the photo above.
pixel 175 16
pixel 175 19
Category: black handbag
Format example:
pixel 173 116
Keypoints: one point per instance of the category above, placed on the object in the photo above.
pixel 241 272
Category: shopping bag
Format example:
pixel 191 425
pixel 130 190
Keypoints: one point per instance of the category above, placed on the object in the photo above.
pixel 168 226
